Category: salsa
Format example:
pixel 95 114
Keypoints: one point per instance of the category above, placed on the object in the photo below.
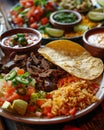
pixel 20 40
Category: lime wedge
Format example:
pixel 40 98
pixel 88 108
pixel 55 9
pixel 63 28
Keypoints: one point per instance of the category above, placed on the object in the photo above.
pixel 96 16
pixel 80 28
pixel 54 32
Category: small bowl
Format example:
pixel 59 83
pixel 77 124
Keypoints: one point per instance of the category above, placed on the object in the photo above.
pixel 92 41
pixel 34 46
pixel 64 25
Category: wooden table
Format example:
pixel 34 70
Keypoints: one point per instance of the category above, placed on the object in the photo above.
pixel 92 121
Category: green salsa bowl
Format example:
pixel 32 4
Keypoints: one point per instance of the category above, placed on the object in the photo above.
pixel 64 19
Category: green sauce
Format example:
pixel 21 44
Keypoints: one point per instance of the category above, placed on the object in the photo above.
pixel 64 17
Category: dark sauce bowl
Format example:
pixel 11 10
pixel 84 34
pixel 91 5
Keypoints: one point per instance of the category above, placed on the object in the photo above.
pixel 31 47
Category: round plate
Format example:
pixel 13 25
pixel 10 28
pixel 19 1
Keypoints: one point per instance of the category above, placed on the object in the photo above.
pixel 60 119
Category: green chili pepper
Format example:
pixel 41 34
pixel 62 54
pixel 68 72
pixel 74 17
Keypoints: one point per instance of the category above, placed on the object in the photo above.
pixel 22 41
pixel 11 75
pixel 22 80
pixel 20 35
pixel 17 8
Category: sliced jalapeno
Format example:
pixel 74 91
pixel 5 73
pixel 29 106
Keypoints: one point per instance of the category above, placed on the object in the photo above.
pixel 11 75
pixel 22 80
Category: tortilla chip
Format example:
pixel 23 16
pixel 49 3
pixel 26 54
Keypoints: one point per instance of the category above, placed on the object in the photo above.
pixel 73 58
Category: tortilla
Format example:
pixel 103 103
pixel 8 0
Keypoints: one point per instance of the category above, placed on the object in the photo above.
pixel 73 58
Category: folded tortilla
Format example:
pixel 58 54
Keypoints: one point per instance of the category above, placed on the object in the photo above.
pixel 73 58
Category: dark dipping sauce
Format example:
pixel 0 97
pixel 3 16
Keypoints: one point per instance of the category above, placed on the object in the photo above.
pixel 20 40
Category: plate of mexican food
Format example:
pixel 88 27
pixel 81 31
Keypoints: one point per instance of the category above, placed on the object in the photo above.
pixel 59 82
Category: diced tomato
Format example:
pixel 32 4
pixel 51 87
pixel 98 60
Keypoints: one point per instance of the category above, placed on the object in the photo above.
pixel 1 103
pixel 18 20
pixel 32 108
pixel 47 112
pixel 30 90
pixel 50 115
pixel 10 90
pixel 39 102
pixel 50 6
pixel 31 20
pixel 34 25
pixel 27 3
pixel 20 71
pixel 37 13
pixel 64 111
pixel 48 95
pixel 68 127
pixel 37 17
pixel 95 85
pixel 40 10
pixel 30 12
pixel 25 97
pixel 44 20
pixel 2 100
pixel 14 13
pixel 73 111
pixel 13 97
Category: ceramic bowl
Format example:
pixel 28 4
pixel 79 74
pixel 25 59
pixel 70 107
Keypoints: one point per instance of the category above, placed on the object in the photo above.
pixel 31 47
pixel 94 41
pixel 65 25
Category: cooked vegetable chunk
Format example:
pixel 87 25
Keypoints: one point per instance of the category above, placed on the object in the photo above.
pixel 20 106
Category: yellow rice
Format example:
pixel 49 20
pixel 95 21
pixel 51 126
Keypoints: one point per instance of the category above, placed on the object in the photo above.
pixel 79 95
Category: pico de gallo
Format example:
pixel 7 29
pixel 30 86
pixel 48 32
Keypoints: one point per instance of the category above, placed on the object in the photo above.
pixel 32 13
pixel 18 95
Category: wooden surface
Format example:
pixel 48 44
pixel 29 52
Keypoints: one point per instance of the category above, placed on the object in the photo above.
pixel 92 121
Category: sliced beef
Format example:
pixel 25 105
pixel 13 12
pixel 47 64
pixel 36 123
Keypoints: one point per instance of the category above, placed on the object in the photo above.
pixel 34 58
pixel 46 73
pixel 44 64
pixel 18 58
